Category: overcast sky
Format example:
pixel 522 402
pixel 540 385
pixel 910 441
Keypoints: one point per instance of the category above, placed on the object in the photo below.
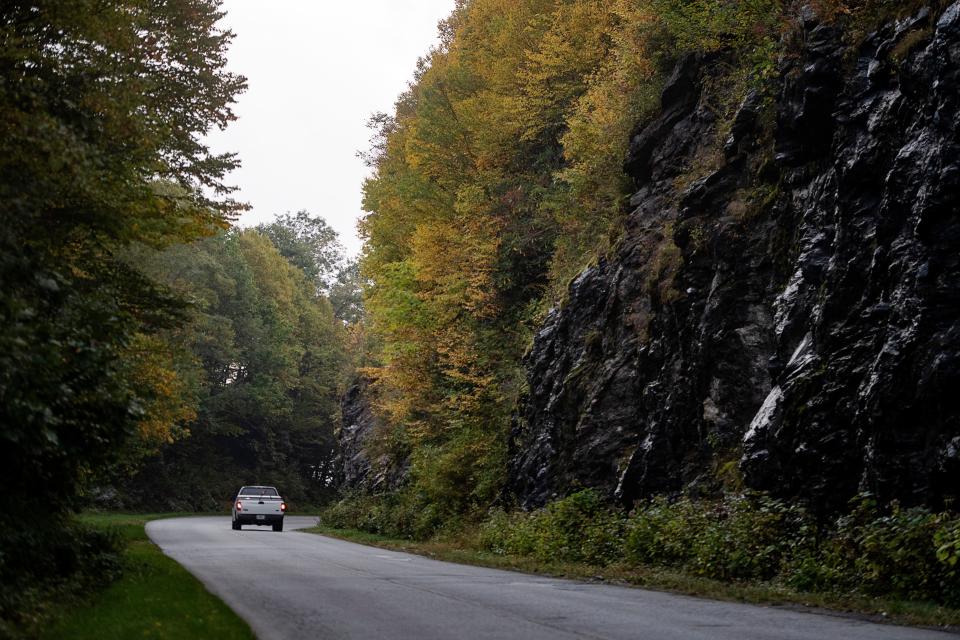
pixel 316 70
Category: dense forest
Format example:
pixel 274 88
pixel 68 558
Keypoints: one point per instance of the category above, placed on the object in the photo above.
pixel 152 356
pixel 631 292
pixel 254 372
pixel 499 178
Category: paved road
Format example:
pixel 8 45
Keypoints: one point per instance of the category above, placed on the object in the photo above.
pixel 295 585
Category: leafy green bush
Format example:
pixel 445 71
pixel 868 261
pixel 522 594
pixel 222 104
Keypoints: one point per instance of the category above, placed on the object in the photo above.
pixel 947 542
pixel 661 532
pixel 508 533
pixel 749 538
pixel 50 560
pixel 737 538
pixel 578 528
pixel 711 25
pixel 905 553
pixel 401 514
pixel 897 554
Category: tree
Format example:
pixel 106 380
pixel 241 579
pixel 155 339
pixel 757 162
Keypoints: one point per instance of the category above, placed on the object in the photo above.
pixel 499 177
pixel 270 355
pixel 309 244
pixel 102 109
pixel 346 293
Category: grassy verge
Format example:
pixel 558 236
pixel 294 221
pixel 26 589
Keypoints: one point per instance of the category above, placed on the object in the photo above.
pixel 466 550
pixel 154 598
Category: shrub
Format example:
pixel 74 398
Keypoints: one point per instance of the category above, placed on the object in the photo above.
pixel 578 528
pixel 736 538
pixel 399 514
pixel 713 25
pixel 903 553
pixel 46 562
pixel 508 533
pixel 662 533
pixel 745 539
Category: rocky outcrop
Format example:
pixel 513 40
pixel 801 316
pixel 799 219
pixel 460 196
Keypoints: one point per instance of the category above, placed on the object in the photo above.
pixel 361 467
pixel 783 310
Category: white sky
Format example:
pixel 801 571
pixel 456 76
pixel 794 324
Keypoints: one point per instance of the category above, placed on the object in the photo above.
pixel 316 70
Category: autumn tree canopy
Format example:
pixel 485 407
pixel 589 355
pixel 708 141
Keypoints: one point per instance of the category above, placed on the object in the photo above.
pixel 497 179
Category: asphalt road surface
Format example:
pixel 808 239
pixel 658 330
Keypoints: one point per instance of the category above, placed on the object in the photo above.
pixel 294 585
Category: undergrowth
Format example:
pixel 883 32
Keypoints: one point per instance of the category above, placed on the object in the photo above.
pixel 47 562
pixel 902 553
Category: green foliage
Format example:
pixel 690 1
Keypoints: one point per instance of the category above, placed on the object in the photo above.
pixel 947 541
pixel 308 243
pixel 583 528
pixel 739 538
pixel 905 553
pixel 500 176
pixel 451 485
pixel 103 109
pixel 346 293
pixel 461 476
pixel 51 564
pixel 579 528
pixel 397 514
pixel 712 25
pixel 154 597
pixel 267 354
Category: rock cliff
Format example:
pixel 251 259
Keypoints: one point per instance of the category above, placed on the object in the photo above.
pixel 360 465
pixel 783 309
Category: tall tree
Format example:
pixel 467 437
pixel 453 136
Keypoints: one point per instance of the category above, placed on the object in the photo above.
pixel 497 179
pixel 102 109
pixel 309 243
pixel 346 293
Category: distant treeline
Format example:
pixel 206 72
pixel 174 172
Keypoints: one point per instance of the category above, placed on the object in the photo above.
pixel 253 376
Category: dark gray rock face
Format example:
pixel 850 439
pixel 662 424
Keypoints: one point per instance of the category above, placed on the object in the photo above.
pixel 789 319
pixel 360 427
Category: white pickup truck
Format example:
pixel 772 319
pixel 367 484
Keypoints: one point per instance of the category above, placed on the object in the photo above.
pixel 260 506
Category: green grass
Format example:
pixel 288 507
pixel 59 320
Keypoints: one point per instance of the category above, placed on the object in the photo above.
pixel 155 598
pixel 465 550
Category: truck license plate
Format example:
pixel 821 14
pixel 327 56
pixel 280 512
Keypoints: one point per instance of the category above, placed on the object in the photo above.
pixel 260 517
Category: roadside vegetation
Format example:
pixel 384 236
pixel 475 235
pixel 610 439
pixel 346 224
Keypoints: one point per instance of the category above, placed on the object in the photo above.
pixel 497 179
pixel 901 565
pixel 150 355
pixel 259 360
pixel 154 598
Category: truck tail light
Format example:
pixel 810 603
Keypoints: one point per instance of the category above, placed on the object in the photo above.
pixel 283 506
pixel 239 506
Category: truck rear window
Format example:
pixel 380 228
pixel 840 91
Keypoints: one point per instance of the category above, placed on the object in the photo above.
pixel 259 491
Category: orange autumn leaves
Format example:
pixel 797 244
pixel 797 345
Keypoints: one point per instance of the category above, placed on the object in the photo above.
pixel 498 171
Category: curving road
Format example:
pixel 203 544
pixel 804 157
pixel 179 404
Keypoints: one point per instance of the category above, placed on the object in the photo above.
pixel 294 585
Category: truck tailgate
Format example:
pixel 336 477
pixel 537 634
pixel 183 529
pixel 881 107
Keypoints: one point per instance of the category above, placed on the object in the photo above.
pixel 255 505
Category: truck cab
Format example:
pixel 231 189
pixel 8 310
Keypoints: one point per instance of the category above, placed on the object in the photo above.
pixel 259 505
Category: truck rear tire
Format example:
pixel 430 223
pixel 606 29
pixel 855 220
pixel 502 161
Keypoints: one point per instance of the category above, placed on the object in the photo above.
pixel 235 525
pixel 278 526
